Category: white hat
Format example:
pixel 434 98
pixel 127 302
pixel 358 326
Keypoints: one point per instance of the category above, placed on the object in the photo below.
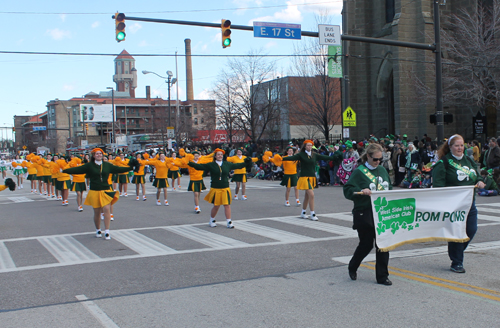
pixel 354 142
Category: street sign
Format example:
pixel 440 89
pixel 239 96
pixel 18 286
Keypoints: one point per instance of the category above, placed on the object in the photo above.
pixel 24 147
pixel 335 61
pixel 276 30
pixel 170 132
pixel 329 35
pixel 345 133
pixel 479 123
pixel 349 117
pixel 39 128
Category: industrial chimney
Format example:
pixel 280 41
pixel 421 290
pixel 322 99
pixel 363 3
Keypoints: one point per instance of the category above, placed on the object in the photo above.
pixel 189 70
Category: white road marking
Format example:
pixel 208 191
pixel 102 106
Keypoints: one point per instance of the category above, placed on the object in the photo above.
pixel 140 243
pixel 6 261
pixel 439 250
pixel 97 312
pixel 67 249
pixel 208 238
pixel 332 228
pixel 283 236
pixel 20 199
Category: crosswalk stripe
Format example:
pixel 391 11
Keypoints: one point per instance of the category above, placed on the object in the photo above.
pixel 6 260
pixel 339 216
pixel 488 217
pixel 207 238
pixel 424 251
pixel 141 244
pixel 489 210
pixel 280 235
pixel 332 228
pixel 67 249
pixel 20 199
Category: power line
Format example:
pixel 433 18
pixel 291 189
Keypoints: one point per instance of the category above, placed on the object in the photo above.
pixel 175 11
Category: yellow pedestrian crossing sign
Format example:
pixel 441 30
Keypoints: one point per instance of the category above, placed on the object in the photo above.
pixel 349 117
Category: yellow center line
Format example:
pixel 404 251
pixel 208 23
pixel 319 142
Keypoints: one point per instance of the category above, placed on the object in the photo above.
pixel 438 284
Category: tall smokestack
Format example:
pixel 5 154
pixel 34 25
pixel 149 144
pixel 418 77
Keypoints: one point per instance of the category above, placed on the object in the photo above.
pixel 189 70
pixel 148 92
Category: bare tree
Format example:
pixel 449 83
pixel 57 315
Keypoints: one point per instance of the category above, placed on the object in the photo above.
pixel 471 74
pixel 243 87
pixel 316 97
pixel 225 107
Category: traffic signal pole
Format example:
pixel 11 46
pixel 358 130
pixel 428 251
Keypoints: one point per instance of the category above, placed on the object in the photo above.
pixel 436 48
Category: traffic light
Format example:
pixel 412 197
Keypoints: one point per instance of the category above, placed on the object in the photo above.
pixel 226 33
pixel 120 27
pixel 87 127
pixel 14 129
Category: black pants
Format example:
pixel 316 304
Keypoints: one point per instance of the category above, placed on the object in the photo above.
pixel 366 240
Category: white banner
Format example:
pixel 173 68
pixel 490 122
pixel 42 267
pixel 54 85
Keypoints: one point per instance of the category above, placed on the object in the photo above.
pixel 96 113
pixel 415 216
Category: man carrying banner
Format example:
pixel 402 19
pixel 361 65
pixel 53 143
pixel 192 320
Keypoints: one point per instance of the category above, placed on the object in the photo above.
pixel 368 177
pixel 455 169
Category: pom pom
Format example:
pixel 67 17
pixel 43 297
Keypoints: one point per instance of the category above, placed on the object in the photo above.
pixel 182 152
pixel 268 154
pixel 10 184
pixel 277 160
pixel 184 161
pixel 145 155
pixel 14 164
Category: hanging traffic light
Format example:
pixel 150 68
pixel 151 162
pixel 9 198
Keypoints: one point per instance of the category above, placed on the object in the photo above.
pixel 226 33
pixel 120 27
pixel 87 127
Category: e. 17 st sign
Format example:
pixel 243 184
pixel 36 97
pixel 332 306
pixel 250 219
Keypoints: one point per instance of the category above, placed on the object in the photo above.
pixel 276 30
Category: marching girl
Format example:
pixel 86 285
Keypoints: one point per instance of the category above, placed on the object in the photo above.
pixel 47 175
pixel 138 178
pixel 79 184
pixel 240 175
pixel 122 179
pixel 219 193
pixel 290 178
pixel 173 173
pixel 54 170
pixel 110 158
pixel 307 180
pixel 37 161
pixel 162 165
pixel 31 172
pixel 63 183
pixel 196 184
pixel 99 196
pixel 18 171
pixel 3 168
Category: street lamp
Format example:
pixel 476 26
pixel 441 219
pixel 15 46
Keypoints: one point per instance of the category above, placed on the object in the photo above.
pixel 170 81
pixel 112 139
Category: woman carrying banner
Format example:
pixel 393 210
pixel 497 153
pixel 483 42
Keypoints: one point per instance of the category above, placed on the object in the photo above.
pixel 455 169
pixel 369 176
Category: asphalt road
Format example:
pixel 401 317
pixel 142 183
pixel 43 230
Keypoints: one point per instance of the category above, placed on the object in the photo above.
pixel 164 267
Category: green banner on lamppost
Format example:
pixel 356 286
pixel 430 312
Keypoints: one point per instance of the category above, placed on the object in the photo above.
pixel 335 61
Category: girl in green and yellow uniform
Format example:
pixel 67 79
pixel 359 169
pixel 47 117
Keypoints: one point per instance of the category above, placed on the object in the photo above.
pixel 78 185
pixel 138 178
pixel 99 196
pixel 162 165
pixel 240 175
pixel 219 194
pixel 196 184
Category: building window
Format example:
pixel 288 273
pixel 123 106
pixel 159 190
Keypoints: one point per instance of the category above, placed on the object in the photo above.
pixel 390 10
pixel 202 120
pixel 195 121
pixel 195 110
pixel 201 110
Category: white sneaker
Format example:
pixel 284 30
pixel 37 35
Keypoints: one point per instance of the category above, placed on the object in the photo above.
pixel 166 203
pixel 53 196
pixel 179 187
pixel 125 195
pixel 112 217
pixel 298 203
pixel 144 198
pixel 158 203
pixel 230 225
pixel 244 197
pixel 98 234
pixel 80 208
pixel 197 210
pixel 102 216
pixel 235 197
pixel 304 216
pixel 107 236
pixel 22 187
pixel 287 204
pixel 173 189
pixel 137 198
pixel 212 224
pixel 314 217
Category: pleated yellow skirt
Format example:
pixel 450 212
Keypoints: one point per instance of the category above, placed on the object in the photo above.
pixel 101 198
pixel 306 183
pixel 218 196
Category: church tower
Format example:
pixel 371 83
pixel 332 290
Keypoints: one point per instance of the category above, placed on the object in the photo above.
pixel 125 73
